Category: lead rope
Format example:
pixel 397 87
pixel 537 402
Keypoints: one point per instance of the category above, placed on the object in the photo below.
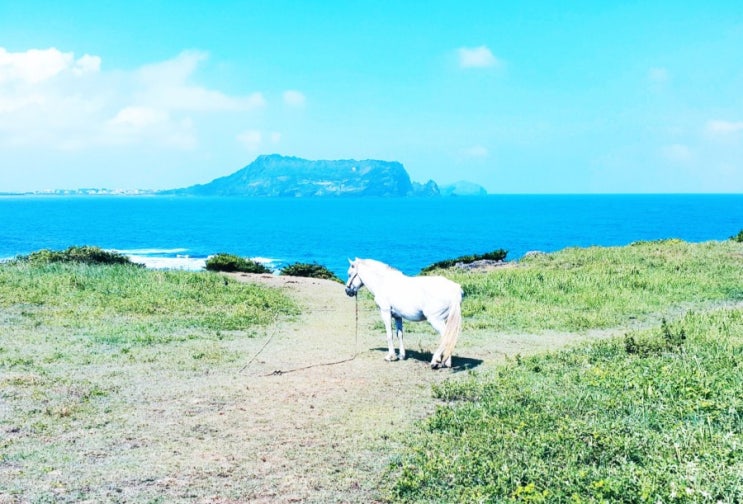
pixel 279 372
pixel 270 337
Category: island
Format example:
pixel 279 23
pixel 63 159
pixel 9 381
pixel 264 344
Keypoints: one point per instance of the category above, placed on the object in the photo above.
pixel 286 176
pixel 275 175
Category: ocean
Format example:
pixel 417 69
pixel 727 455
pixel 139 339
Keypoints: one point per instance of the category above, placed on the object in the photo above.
pixel 408 233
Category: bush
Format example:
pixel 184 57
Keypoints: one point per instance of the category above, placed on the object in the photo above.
pixel 230 263
pixel 83 255
pixel 739 237
pixel 495 255
pixel 312 270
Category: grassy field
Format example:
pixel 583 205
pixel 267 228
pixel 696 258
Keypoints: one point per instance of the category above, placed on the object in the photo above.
pixel 653 416
pixel 81 345
pixel 601 287
pixel 121 384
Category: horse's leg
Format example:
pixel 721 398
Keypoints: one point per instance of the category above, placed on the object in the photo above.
pixel 398 326
pixel 440 326
pixel 387 319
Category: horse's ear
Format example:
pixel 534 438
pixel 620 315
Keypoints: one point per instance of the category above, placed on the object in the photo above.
pixel 350 261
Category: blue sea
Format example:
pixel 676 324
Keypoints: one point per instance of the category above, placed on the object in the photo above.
pixel 408 233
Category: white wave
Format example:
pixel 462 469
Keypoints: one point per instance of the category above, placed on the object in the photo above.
pixel 184 261
pixel 151 251
pixel 170 263
pixel 268 261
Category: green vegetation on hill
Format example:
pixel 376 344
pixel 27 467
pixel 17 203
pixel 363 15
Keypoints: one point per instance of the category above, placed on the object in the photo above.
pixel 495 255
pixel 653 416
pixel 76 254
pixel 119 302
pixel 578 289
pixel 601 423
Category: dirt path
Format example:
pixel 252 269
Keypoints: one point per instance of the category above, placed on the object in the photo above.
pixel 324 433
pixel 319 431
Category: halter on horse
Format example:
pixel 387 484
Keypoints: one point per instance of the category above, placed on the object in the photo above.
pixel 433 298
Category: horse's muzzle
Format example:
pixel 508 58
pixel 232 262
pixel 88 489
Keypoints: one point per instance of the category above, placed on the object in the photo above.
pixel 350 291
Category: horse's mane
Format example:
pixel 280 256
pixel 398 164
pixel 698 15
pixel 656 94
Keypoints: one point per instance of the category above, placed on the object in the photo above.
pixel 380 266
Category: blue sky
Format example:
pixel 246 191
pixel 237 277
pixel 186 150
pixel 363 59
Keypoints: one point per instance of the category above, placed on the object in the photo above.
pixel 520 97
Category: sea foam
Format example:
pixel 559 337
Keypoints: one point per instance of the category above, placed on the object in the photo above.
pixel 177 259
pixel 170 263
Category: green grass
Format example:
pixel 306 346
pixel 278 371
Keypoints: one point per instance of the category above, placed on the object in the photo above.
pixel 656 416
pixel 601 287
pixel 80 314
pixel 127 298
pixel 85 351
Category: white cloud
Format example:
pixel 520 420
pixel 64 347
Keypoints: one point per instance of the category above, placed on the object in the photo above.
pixel 139 117
pixel 476 151
pixel 719 127
pixel 33 66
pixel 174 71
pixel 51 99
pixel 250 139
pixel 294 98
pixel 87 64
pixel 254 140
pixel 167 85
pixel 137 124
pixel 199 99
pixel 45 99
pixel 658 76
pixel 677 153
pixel 476 57
pixel 13 103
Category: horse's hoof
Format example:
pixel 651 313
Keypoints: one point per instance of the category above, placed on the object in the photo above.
pixel 435 365
pixel 403 356
pixel 391 358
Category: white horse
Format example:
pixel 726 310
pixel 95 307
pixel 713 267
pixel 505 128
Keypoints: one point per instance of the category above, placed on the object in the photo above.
pixel 433 298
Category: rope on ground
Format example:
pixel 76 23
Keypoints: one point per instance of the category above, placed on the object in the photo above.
pixel 270 337
pixel 279 372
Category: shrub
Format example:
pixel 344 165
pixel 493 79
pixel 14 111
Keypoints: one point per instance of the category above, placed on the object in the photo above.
pixel 739 237
pixel 230 263
pixel 495 255
pixel 669 341
pixel 312 270
pixel 83 255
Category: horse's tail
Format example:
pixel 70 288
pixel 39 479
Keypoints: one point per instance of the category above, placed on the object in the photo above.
pixel 453 328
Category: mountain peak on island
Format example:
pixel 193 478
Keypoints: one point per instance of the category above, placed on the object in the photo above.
pixel 287 176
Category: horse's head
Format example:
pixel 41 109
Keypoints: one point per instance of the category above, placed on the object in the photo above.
pixel 354 282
